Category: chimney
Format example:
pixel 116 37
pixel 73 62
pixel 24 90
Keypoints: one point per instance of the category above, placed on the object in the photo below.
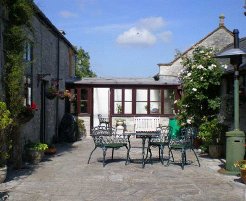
pixel 222 19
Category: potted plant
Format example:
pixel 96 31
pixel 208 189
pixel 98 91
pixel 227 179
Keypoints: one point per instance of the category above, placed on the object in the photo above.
pixel 35 151
pixel 50 150
pixel 242 166
pixel 51 93
pixel 211 133
pixel 81 129
pixel 5 121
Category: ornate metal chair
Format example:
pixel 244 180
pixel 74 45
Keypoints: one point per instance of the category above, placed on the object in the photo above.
pixel 160 141
pixel 183 143
pixel 103 120
pixel 105 138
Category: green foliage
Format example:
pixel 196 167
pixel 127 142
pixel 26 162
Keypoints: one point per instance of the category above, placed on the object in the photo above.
pixel 36 146
pixel 5 121
pixel 19 14
pixel 210 131
pixel 19 19
pixel 83 64
pixel 201 87
pixel 81 125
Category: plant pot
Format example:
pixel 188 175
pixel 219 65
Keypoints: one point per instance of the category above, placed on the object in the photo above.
pixel 3 173
pixel 215 150
pixel 50 151
pixel 34 156
pixel 243 175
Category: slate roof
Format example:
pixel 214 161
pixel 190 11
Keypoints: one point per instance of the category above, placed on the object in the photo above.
pixel 127 81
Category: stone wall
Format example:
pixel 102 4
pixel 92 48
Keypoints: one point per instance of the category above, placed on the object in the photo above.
pixel 50 56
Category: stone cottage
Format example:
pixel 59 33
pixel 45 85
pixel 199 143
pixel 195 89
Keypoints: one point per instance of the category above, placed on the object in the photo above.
pixel 50 61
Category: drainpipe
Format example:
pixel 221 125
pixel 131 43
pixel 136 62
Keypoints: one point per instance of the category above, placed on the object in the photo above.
pixel 58 77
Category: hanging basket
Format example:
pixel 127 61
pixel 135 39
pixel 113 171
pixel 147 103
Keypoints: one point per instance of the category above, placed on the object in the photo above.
pixel 25 116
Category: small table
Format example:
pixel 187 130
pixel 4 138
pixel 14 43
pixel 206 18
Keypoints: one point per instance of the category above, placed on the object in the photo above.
pixel 143 135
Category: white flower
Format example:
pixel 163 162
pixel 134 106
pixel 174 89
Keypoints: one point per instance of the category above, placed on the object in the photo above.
pixel 212 67
pixel 188 121
pixel 225 66
pixel 201 78
pixel 201 51
pixel 200 67
pixel 194 89
pixel 175 101
pixel 189 74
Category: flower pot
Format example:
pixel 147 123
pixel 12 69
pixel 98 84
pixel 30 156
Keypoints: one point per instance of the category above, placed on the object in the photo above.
pixel 34 156
pixel 3 173
pixel 215 150
pixel 243 175
pixel 50 151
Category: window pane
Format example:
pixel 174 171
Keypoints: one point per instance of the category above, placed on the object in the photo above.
pixel 84 107
pixel 118 95
pixel 84 101
pixel 128 95
pixel 141 107
pixel 169 101
pixel 141 94
pixel 155 95
pixel 128 107
pixel 84 94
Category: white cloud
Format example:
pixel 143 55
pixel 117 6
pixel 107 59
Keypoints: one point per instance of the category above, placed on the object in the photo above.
pixel 145 32
pixel 152 23
pixel 165 36
pixel 136 36
pixel 67 14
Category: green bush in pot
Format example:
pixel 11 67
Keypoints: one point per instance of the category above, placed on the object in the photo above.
pixel 34 151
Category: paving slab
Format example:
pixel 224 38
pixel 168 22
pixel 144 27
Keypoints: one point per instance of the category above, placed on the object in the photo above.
pixel 66 176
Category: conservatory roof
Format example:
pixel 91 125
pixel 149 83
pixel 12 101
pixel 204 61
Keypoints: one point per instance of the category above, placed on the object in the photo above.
pixel 167 80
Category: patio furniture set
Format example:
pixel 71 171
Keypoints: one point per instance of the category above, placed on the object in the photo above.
pixel 106 137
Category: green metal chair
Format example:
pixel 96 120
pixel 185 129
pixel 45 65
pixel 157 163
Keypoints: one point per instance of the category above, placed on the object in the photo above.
pixel 160 141
pixel 183 143
pixel 105 138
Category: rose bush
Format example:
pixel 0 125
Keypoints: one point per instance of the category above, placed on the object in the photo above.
pixel 200 102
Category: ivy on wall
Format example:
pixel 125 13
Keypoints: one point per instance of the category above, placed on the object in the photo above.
pixel 19 13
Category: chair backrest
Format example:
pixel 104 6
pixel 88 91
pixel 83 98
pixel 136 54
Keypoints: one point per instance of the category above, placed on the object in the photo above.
pixel 187 136
pixel 102 134
pixel 102 119
pixel 165 134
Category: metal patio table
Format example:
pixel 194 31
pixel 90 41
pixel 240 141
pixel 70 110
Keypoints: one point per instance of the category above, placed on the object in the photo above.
pixel 143 135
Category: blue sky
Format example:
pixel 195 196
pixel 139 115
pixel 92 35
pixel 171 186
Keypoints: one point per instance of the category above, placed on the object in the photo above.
pixel 128 38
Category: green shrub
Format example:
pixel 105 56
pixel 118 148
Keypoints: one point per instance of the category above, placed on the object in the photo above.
pixel 36 146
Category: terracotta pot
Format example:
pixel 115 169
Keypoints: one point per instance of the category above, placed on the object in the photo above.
pixel 3 173
pixel 50 151
pixel 243 175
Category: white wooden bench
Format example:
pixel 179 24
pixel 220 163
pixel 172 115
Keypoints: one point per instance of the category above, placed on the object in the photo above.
pixel 145 124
